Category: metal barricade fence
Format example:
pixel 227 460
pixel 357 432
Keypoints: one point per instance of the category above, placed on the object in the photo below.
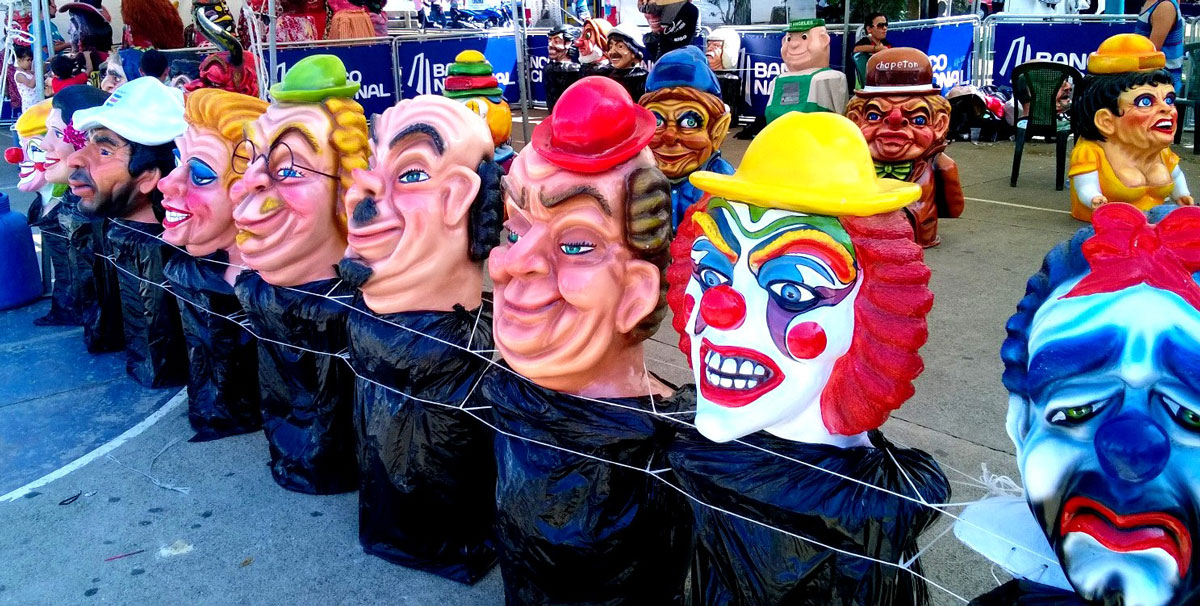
pixel 1009 40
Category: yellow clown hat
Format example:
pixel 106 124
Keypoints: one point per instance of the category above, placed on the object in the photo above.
pixel 33 120
pixel 816 163
pixel 1125 53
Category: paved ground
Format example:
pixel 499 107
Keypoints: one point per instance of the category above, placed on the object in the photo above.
pixel 231 536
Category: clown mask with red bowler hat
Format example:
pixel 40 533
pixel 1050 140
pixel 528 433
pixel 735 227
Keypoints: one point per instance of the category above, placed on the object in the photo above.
pixel 579 269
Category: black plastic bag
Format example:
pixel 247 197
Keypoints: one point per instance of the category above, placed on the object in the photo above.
pixel 155 354
pixel 64 307
pixel 575 530
pixel 1020 592
pixel 93 280
pixel 559 76
pixel 222 355
pixel 427 493
pixel 307 398
pixel 746 564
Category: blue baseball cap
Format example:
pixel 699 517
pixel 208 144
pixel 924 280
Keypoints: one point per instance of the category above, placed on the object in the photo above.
pixel 685 66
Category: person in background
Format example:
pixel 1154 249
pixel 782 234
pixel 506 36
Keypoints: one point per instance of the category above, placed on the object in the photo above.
pixel 24 78
pixel 35 29
pixel 63 67
pixel 154 63
pixel 419 7
pixel 876 38
pixel 1162 23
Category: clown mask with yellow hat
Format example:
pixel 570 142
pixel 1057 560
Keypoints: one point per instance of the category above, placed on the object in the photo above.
pixel 783 295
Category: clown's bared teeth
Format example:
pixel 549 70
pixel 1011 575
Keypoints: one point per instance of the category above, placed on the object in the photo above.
pixel 746 368
pixel 739 384
pixel 729 366
pixel 751 384
pixel 726 383
pixel 759 370
pixel 176 217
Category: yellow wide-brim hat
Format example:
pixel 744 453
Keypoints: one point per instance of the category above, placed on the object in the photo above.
pixel 1124 53
pixel 32 122
pixel 815 163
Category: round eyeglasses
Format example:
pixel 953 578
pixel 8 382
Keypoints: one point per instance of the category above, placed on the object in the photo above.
pixel 281 162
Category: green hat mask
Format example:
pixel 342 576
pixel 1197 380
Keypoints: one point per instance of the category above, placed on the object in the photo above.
pixel 803 25
pixel 313 79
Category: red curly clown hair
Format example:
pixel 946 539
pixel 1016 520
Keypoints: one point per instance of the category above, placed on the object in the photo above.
pixel 876 375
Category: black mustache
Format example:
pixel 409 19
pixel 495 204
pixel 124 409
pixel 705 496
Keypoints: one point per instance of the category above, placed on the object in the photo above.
pixel 366 211
pixel 353 272
pixel 83 176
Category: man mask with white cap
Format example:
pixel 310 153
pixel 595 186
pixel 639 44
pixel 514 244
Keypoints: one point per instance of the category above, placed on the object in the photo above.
pixel 116 174
pixel 130 146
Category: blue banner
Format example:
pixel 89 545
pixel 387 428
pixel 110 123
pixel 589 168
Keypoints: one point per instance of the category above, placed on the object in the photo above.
pixel 370 65
pixel 949 48
pixel 1069 43
pixel 539 57
pixel 424 64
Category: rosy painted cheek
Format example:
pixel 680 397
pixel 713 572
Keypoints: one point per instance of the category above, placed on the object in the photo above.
pixel 689 305
pixel 806 340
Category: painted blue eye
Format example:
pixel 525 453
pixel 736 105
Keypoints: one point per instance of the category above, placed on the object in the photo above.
pixel 289 172
pixel 920 120
pixel 1170 100
pixel 414 176
pixel 178 160
pixel 200 172
pixel 659 121
pixel 577 248
pixel 691 120
pixel 791 292
pixel 1146 100
pixel 513 237
pixel 874 116
pixel 711 278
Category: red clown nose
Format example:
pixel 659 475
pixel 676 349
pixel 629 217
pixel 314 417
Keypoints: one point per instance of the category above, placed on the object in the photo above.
pixel 13 155
pixel 723 308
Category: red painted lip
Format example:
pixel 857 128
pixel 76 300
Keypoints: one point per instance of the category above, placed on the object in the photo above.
pixel 736 398
pixel 1164 129
pixel 1131 532
pixel 169 224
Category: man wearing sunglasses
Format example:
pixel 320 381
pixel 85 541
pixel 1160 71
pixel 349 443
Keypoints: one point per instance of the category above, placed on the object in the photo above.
pixel 296 163
pixel 115 174
pixel 876 38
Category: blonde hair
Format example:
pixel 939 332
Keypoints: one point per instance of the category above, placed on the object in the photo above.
pixel 350 137
pixel 224 113
pixel 33 121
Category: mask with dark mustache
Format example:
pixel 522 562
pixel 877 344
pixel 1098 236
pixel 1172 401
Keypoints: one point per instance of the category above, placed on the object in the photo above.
pixel 120 202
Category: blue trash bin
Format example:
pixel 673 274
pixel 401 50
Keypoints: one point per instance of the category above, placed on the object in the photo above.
pixel 20 278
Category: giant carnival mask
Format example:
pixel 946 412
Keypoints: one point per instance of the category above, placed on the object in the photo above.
pixel 89 29
pixel 805 46
pixel 62 139
pixel 578 270
pixel 625 48
pixel 691 119
pixel 231 69
pixel 722 48
pixel 1101 366
pixel 472 83
pixel 30 157
pixel 116 174
pixel 297 160
pixel 558 44
pixel 1127 119
pixel 905 118
pixel 593 41
pixel 417 216
pixel 788 299
pixel 199 213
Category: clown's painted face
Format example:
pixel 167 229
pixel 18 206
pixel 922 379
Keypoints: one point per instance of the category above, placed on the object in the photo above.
pixel 591 44
pixel 199 214
pixel 1147 120
pixel 1108 440
pixel 770 310
pixel 900 129
pixel 682 140
pixel 56 148
pixel 806 50
pixel 32 165
pixel 287 206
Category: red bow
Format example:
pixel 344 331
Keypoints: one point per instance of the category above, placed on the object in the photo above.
pixel 1127 250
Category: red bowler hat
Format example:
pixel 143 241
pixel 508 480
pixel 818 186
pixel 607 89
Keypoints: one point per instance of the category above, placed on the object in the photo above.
pixel 594 127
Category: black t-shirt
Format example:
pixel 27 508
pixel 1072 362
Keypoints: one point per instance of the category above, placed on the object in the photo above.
pixel 867 40
pixel 681 30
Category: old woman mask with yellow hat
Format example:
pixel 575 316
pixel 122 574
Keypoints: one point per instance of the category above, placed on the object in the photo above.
pixel 786 298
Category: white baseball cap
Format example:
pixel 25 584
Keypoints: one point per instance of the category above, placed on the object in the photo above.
pixel 144 111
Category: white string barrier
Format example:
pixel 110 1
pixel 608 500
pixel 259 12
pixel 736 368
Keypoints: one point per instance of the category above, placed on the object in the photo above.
pixel 939 507
pixel 242 322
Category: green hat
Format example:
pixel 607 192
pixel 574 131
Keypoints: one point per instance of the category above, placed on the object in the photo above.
pixel 803 25
pixel 313 79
